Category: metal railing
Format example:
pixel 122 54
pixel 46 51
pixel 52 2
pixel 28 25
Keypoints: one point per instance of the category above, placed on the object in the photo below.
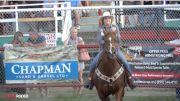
pixel 35 16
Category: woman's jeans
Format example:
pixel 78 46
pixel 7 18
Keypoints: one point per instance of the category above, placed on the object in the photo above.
pixel 119 55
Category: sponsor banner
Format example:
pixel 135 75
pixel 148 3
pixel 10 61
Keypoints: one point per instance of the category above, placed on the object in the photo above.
pixel 29 65
pixel 50 39
pixel 155 64
pixel 64 70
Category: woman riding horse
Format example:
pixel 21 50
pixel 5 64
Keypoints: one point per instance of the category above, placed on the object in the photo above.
pixel 106 21
pixel 110 77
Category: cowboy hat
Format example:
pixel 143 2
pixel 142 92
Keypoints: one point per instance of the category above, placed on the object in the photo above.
pixel 106 14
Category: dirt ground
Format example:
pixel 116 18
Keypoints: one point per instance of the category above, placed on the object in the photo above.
pixel 67 94
pixel 54 93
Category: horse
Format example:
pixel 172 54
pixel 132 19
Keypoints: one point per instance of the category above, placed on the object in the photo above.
pixel 109 77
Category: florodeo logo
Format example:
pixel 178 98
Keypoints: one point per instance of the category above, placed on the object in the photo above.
pixel 14 96
pixel 177 51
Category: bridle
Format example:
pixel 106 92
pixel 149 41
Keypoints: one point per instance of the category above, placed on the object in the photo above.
pixel 109 45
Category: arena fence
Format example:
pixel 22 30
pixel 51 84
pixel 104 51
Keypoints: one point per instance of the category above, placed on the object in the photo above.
pixel 154 19
pixel 39 17
pixel 139 26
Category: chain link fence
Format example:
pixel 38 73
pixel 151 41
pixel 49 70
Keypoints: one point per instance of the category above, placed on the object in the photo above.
pixel 40 20
pixel 148 25
pixel 24 18
pixel 43 18
pixel 6 27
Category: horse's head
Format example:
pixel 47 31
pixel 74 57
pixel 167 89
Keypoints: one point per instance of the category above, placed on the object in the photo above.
pixel 110 43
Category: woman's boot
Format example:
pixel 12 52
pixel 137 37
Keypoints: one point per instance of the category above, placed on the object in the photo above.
pixel 89 84
pixel 130 81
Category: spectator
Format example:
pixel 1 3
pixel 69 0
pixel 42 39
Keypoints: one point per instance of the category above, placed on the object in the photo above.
pixel 7 28
pixel 107 24
pixel 49 13
pixel 49 5
pixel 148 16
pixel 85 13
pixel 47 25
pixel 31 14
pixel 18 39
pixel 35 40
pixel 131 17
pixel 75 13
pixel 75 40
pixel 18 42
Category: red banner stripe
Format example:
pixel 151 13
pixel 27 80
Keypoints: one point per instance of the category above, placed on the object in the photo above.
pixel 155 75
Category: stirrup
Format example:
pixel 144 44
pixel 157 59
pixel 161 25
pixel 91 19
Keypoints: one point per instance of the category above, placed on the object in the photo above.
pixel 132 87
pixel 131 84
pixel 89 85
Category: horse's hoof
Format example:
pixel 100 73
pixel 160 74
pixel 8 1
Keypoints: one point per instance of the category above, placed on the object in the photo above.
pixel 91 86
pixel 86 86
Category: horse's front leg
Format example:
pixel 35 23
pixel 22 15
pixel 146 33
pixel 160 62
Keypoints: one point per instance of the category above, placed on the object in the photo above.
pixel 103 97
pixel 119 94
